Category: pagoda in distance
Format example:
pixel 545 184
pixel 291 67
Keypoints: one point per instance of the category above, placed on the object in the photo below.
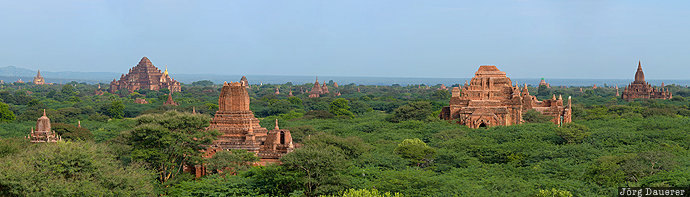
pixel 641 89
pixel 38 79
pixel 145 76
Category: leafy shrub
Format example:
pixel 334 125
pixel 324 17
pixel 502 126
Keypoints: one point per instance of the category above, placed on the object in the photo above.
pixel 416 152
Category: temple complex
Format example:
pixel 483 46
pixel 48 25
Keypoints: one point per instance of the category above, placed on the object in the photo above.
pixel 490 99
pixel 641 89
pixel 38 79
pixel 145 76
pixel 241 130
pixel 43 132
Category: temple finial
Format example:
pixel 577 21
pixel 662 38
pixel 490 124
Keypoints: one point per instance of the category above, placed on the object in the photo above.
pixel 44 112
pixel 277 125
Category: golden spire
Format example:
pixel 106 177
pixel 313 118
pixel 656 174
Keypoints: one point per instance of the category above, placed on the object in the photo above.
pixel 166 70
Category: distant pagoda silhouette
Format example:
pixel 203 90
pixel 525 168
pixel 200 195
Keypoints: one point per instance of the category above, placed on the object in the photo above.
pixel 145 76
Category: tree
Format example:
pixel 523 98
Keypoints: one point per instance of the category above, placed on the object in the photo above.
pixel 416 152
pixel 320 168
pixel 114 109
pixel 11 146
pixel 340 107
pixel 71 132
pixel 640 165
pixel 68 90
pixel 533 116
pixel 231 161
pixel 276 107
pixel 420 110
pixel 606 171
pixel 169 141
pixel 573 132
pixel 360 107
pixel 440 95
pixel 295 100
pixel 71 169
pixel 6 115
pixel 274 180
pixel 351 147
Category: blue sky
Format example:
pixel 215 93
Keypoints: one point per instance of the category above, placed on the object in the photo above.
pixel 398 38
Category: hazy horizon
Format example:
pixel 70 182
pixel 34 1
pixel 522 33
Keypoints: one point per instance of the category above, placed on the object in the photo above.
pixel 406 39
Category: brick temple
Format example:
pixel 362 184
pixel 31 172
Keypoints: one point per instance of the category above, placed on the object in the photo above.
pixel 170 101
pixel 490 99
pixel 241 130
pixel 145 76
pixel 641 89
pixel 43 132
pixel 317 90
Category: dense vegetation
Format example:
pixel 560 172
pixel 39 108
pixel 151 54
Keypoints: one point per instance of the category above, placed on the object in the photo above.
pixel 382 141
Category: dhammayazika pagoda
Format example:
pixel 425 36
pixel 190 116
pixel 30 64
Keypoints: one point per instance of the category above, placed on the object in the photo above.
pixel 43 132
pixel 145 76
pixel 490 99
pixel 241 130
pixel 641 89
pixel 543 83
pixel 38 79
